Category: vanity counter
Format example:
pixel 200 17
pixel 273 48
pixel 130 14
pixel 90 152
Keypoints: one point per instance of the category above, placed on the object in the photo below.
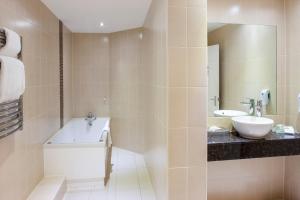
pixel 229 146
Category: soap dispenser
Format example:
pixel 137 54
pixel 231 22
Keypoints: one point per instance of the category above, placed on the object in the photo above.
pixel 265 97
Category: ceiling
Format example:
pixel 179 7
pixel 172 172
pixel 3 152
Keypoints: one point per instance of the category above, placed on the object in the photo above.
pixel 214 26
pixel 85 16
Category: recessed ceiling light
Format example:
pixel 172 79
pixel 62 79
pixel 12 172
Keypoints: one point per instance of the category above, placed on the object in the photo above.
pixel 101 24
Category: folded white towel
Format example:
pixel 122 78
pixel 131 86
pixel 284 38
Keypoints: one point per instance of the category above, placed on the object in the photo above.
pixel 13 44
pixel 12 79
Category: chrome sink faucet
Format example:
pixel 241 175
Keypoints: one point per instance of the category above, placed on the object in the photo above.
pixel 259 108
pixel 251 104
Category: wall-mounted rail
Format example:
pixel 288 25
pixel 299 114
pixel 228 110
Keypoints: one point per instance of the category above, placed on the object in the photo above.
pixel 11 113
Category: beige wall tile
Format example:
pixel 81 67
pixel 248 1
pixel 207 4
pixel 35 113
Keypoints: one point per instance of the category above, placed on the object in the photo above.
pixel 197 107
pixel 188 99
pixel 196 21
pixel 197 71
pixel 178 184
pixel 177 24
pixel 197 146
pixel 197 3
pixel 178 67
pixel 155 94
pixel 246 179
pixel 178 147
pixel 21 159
pixel 90 74
pixel 181 3
pixel 125 89
pixel 197 179
pixel 292 174
pixel 292 80
pixel 177 107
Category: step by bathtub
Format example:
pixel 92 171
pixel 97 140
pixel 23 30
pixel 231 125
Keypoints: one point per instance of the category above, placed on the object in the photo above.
pixel 80 152
pixel 50 188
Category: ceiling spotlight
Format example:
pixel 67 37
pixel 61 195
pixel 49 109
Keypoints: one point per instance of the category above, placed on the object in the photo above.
pixel 101 24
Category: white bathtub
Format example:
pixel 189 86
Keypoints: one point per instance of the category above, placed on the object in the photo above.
pixel 80 152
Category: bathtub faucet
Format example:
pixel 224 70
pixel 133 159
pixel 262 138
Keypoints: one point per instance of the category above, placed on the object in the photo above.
pixel 90 118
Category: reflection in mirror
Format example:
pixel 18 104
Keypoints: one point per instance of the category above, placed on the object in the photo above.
pixel 242 69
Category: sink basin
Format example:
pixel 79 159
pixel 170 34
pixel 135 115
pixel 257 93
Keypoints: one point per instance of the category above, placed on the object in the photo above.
pixel 252 127
pixel 229 113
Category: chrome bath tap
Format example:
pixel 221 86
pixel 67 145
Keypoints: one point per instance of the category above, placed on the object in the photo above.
pixel 90 118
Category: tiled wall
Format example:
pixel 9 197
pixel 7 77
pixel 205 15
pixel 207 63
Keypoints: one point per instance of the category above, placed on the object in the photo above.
pixel 266 12
pixel 90 74
pixel 187 83
pixel 258 179
pixel 154 66
pixel 126 90
pixel 107 80
pixel 68 71
pixel 21 157
pixel 292 183
pixel 247 64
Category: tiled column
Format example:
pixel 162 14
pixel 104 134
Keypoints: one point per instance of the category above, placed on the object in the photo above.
pixel 187 138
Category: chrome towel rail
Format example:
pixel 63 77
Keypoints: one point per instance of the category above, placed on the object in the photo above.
pixel 2 38
pixel 11 117
pixel 11 113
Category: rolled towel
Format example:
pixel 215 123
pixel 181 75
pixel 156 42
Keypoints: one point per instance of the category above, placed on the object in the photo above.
pixel 13 44
pixel 12 79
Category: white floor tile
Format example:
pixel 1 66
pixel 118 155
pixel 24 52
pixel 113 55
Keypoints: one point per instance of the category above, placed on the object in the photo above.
pixel 129 180
pixel 98 195
pixel 77 195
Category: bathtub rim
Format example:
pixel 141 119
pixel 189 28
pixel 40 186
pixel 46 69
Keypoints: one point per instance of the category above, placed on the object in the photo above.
pixel 77 145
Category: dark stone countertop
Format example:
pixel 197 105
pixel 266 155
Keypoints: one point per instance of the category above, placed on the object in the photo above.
pixel 229 146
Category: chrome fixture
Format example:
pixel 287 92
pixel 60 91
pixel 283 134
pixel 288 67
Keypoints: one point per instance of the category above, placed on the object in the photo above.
pixel 11 113
pixel 11 117
pixel 90 118
pixel 259 108
pixel 251 104
pixel 215 99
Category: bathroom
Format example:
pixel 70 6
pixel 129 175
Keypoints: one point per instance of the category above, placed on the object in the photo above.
pixel 141 71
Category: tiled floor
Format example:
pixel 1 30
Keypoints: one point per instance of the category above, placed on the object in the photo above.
pixel 129 180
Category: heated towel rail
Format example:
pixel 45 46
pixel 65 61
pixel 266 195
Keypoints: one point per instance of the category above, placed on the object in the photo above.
pixel 11 113
pixel 2 38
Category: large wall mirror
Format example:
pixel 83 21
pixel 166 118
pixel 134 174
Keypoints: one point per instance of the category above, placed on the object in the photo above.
pixel 242 65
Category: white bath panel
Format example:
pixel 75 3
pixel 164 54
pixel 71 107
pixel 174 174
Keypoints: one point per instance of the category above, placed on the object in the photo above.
pixel 128 181
pixel 79 152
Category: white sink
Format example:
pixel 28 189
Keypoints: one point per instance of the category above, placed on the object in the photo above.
pixel 252 127
pixel 229 113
